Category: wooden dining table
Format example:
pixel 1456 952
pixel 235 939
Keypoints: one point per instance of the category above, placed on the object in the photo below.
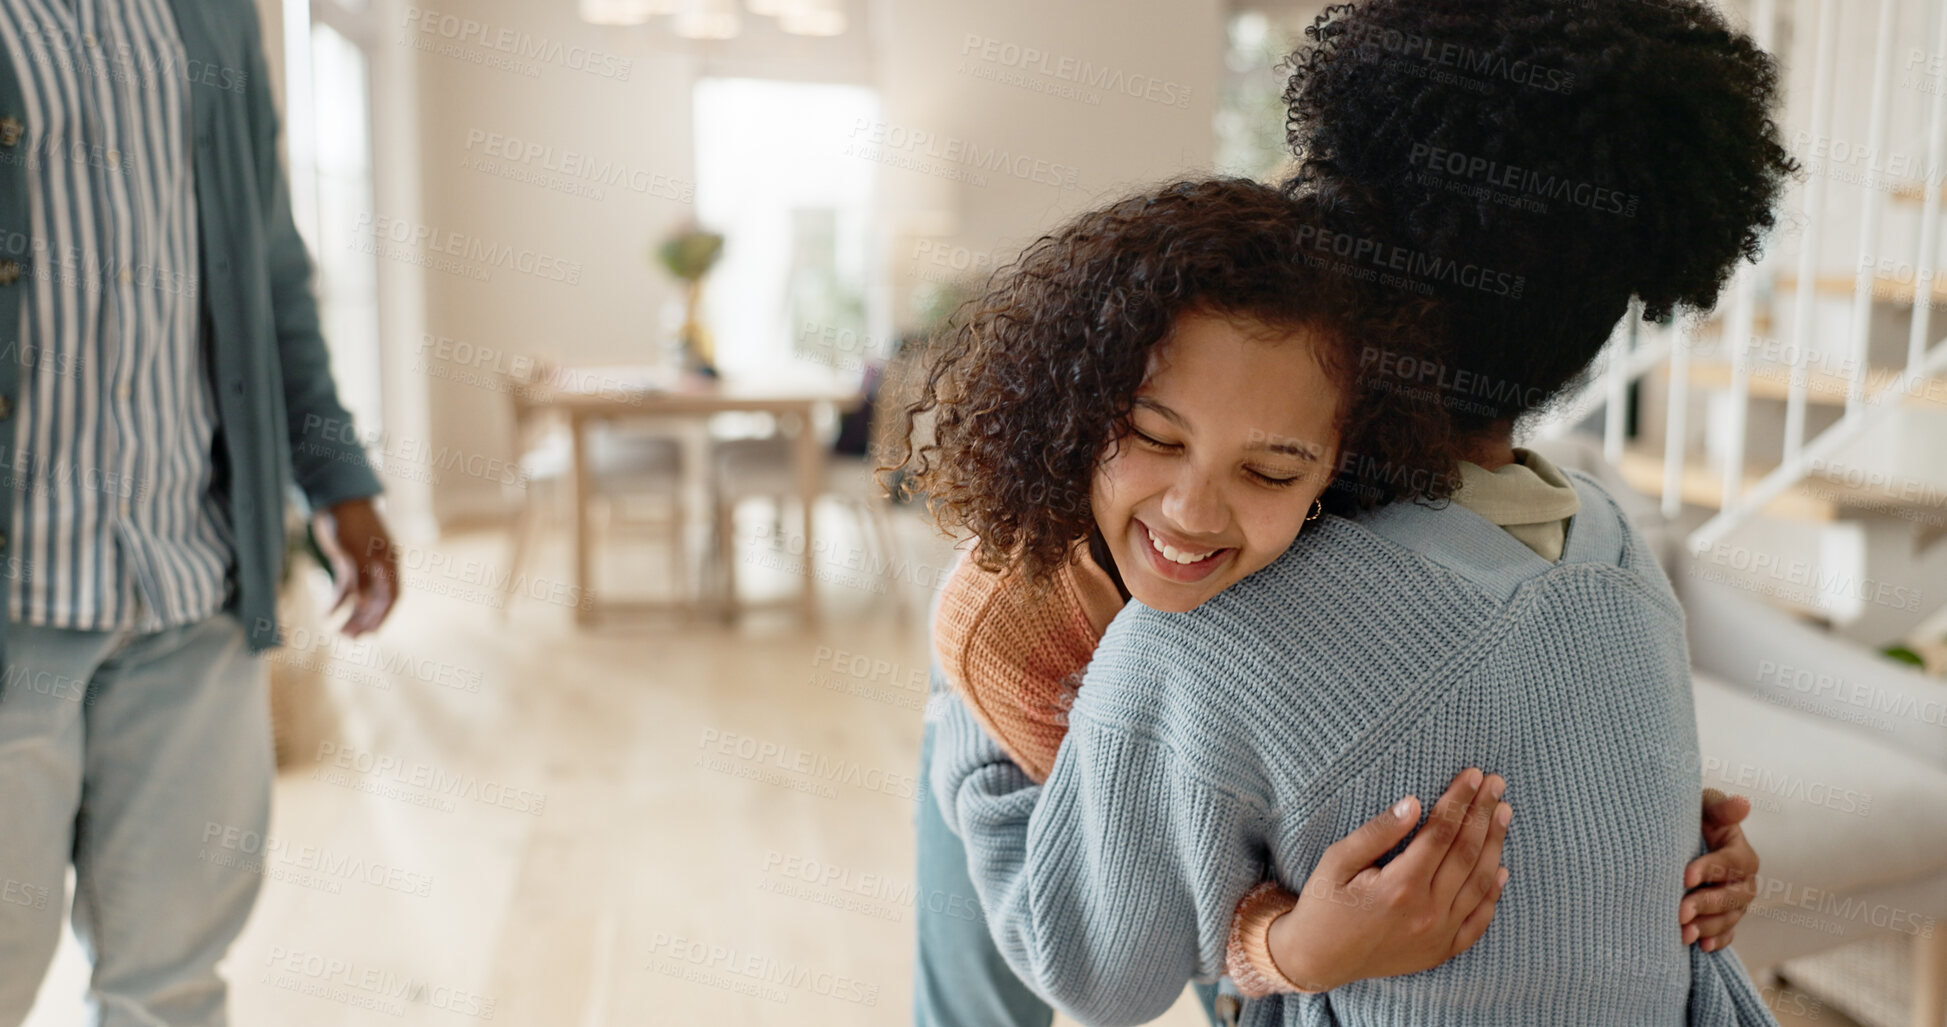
pixel 587 396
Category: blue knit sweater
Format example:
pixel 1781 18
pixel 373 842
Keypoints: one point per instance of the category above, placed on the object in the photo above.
pixel 1374 659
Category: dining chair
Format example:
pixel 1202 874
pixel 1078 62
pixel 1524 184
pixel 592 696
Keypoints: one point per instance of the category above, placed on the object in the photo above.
pixel 627 465
pixel 765 468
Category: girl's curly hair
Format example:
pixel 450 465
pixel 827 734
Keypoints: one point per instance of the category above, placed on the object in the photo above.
pixel 1593 149
pixel 1034 381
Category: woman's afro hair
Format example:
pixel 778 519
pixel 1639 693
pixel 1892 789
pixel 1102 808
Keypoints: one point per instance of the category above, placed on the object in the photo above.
pixel 1589 150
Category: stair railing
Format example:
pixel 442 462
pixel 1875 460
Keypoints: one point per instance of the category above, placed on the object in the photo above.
pixel 1638 348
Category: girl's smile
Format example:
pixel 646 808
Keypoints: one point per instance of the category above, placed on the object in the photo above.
pixel 1179 560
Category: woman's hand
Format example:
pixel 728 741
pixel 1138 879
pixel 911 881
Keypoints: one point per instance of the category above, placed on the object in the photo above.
pixel 1355 920
pixel 1722 882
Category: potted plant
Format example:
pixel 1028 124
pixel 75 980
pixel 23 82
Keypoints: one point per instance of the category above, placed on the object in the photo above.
pixel 689 255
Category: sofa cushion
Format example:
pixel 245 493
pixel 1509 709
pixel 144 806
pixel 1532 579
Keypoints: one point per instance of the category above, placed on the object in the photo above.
pixel 1832 809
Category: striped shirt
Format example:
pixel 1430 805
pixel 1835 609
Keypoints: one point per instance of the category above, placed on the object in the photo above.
pixel 115 520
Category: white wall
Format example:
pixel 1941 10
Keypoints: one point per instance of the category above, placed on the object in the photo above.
pixel 1028 117
pixel 516 93
pixel 1057 156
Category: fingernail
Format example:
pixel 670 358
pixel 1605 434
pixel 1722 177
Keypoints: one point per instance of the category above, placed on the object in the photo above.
pixel 1503 814
pixel 1501 876
pixel 1402 807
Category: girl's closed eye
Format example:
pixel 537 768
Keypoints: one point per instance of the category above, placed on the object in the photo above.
pixel 1271 478
pixel 1275 480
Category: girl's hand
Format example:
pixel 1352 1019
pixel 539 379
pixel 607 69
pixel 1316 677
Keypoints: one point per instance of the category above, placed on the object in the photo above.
pixel 1355 920
pixel 1722 882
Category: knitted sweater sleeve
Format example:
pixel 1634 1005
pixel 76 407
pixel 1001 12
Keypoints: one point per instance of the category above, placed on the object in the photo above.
pixel 1015 653
pixel 1091 883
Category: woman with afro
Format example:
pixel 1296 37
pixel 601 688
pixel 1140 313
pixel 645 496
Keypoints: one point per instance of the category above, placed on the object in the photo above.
pixel 1529 167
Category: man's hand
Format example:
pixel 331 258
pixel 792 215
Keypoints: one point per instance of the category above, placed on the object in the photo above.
pixel 363 563
pixel 1721 883
pixel 1355 920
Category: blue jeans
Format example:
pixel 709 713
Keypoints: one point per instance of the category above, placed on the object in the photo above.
pixel 959 977
pixel 145 760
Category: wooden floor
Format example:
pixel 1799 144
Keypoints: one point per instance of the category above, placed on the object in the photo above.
pixel 519 820
pixel 564 820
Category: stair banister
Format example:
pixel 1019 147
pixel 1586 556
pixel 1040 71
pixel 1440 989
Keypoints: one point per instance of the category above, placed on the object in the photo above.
pixel 1804 300
pixel 1872 204
pixel 1930 187
pixel 1912 381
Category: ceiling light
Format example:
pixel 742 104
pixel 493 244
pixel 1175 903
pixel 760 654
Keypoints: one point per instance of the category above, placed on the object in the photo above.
pixel 707 19
pixel 621 12
pixel 813 18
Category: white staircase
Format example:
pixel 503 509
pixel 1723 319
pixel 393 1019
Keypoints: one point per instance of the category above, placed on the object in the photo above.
pixel 1799 434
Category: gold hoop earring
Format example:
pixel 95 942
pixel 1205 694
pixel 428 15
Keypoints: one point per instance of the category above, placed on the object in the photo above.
pixel 1318 510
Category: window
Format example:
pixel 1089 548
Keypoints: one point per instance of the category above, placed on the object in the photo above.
pixel 329 116
pixel 774 178
pixel 1250 107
